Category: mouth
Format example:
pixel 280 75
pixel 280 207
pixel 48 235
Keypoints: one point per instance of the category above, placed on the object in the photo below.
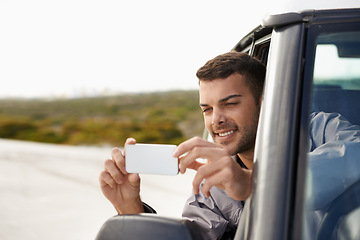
pixel 224 134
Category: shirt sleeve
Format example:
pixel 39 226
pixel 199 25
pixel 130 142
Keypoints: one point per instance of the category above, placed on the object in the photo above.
pixel 215 215
pixel 148 208
pixel 333 159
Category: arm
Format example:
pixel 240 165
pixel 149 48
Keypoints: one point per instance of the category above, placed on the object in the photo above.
pixel 219 186
pixel 334 161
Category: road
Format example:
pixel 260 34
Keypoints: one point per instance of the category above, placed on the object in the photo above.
pixel 52 192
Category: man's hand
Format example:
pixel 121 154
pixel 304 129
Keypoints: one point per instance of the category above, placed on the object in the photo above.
pixel 221 170
pixel 121 188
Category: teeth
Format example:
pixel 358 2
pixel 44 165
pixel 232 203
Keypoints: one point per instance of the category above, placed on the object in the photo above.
pixel 225 133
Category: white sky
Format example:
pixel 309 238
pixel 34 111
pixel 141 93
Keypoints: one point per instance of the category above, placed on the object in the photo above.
pixel 75 47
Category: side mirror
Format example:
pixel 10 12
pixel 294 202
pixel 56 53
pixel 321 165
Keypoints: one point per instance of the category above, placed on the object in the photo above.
pixel 147 226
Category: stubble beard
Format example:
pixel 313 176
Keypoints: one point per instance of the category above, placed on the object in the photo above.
pixel 247 133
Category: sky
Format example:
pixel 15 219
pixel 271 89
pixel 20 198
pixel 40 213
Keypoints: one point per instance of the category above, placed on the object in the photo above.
pixel 74 48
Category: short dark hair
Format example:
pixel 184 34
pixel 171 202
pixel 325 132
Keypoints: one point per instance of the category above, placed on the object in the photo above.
pixel 232 62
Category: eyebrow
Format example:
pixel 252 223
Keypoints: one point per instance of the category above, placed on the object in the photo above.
pixel 229 97
pixel 223 100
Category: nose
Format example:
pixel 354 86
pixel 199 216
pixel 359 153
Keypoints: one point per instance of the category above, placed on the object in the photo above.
pixel 218 117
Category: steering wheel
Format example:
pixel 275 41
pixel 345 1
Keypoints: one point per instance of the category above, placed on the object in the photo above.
pixel 341 206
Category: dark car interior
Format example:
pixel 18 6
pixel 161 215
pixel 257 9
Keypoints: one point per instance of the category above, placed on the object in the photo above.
pixel 332 98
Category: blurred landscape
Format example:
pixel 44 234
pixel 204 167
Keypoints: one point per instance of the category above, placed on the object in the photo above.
pixel 162 117
pixel 52 152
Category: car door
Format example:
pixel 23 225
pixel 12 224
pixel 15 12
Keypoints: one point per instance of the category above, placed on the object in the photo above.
pixel 312 73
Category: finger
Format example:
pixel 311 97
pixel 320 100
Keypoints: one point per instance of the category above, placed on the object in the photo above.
pixel 119 159
pixel 208 184
pixel 224 165
pixel 113 171
pixel 134 180
pixel 106 180
pixel 190 144
pixel 204 172
pixel 214 174
pixel 193 165
pixel 130 141
pixel 209 153
pixel 225 177
pixel 219 179
pixel 214 177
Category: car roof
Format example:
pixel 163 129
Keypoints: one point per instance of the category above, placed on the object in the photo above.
pixel 286 6
pixel 272 21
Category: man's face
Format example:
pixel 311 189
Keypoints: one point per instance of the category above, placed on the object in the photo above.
pixel 230 113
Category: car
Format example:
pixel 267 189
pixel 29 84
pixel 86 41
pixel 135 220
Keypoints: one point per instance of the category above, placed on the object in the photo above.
pixel 312 59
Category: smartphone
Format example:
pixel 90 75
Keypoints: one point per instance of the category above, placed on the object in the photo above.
pixel 151 159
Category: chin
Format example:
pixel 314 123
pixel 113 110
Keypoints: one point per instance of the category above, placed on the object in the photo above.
pixel 232 150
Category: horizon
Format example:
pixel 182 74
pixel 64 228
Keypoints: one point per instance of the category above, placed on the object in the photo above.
pixel 101 95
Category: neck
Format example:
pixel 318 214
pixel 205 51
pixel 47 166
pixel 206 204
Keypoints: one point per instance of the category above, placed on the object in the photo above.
pixel 247 159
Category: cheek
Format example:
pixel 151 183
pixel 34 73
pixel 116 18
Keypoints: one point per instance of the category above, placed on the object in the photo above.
pixel 245 113
pixel 208 123
pixel 238 116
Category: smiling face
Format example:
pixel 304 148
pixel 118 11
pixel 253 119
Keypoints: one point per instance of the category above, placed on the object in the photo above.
pixel 230 113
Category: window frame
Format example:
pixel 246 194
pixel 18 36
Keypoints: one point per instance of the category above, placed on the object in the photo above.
pixel 313 31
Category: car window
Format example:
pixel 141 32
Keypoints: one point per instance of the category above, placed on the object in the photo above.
pixel 333 167
pixel 261 51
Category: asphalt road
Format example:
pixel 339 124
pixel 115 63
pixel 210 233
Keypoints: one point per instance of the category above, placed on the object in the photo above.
pixel 52 192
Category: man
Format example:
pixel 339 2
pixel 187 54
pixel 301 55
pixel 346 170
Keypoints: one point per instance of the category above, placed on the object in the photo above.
pixel 230 88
